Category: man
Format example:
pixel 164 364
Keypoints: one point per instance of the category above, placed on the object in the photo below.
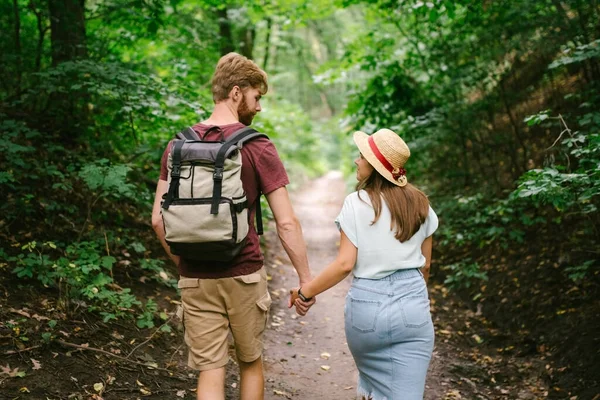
pixel 220 297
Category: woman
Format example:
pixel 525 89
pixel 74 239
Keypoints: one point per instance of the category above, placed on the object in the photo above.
pixel 386 228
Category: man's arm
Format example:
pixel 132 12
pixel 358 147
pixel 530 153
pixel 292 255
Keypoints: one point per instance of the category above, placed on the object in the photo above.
pixel 157 222
pixel 290 232
pixel 426 247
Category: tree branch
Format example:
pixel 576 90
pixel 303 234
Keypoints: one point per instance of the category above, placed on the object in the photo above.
pixel 80 347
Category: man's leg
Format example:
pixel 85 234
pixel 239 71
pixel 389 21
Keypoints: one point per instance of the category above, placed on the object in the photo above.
pixel 252 384
pixel 248 302
pixel 211 384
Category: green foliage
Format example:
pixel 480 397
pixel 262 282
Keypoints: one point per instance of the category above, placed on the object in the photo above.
pixel 578 273
pixel 296 138
pixel 464 274
pixel 559 195
pixel 14 148
pixel 108 180
pixel 159 272
pixel 576 54
pixel 125 105
pixel 146 318
pixel 84 275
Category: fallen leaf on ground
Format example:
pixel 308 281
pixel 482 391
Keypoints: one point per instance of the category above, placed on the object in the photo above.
pixel 12 373
pixel 325 367
pixel 20 312
pixel 98 387
pixel 282 393
pixel 325 355
pixel 36 364
pixel 180 393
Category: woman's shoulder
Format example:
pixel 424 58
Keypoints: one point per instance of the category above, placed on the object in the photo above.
pixel 432 212
pixel 356 197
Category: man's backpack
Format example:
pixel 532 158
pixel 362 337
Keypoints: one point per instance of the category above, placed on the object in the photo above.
pixel 205 211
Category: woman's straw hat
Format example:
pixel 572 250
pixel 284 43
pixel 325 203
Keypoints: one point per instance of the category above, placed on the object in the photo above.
pixel 386 152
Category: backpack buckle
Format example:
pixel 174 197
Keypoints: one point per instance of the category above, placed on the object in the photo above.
pixel 218 174
pixel 175 172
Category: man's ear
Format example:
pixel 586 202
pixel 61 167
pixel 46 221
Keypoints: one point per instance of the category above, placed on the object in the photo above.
pixel 235 93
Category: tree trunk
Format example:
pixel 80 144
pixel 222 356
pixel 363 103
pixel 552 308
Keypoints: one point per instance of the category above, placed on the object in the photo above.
pixel 67 24
pixel 68 111
pixel 267 44
pixel 583 19
pixel 39 15
pixel 18 45
pixel 226 40
pixel 515 128
pixel 247 41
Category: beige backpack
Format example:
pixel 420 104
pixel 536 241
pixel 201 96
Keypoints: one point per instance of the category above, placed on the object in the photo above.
pixel 205 211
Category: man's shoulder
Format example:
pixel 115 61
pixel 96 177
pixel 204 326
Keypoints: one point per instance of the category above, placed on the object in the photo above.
pixel 260 146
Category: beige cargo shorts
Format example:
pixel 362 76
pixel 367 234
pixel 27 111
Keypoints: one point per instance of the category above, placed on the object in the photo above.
pixel 213 307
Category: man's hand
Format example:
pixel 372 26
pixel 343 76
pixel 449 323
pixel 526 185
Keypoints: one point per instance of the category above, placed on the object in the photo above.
pixel 302 307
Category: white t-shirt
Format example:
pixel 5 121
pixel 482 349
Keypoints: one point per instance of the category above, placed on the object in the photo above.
pixel 379 253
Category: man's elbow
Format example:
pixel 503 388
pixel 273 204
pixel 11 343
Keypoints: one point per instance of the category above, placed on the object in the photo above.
pixel 288 225
pixel 157 223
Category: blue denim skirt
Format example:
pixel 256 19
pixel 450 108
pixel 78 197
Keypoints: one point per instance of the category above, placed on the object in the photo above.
pixel 390 334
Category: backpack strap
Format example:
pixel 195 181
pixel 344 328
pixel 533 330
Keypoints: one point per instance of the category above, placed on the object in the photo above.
pixel 239 137
pixel 175 174
pixel 188 134
pixel 259 224
pixel 244 135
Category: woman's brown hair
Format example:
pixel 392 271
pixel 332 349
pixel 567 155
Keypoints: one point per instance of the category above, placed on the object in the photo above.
pixel 408 206
pixel 236 70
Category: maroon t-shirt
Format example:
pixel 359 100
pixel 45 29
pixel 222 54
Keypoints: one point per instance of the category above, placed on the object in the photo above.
pixel 262 172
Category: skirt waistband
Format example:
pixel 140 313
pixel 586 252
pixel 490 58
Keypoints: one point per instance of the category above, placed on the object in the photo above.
pixel 398 275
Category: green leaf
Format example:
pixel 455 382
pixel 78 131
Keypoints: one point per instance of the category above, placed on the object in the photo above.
pixel 108 261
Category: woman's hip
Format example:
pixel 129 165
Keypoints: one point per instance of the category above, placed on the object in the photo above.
pixel 385 312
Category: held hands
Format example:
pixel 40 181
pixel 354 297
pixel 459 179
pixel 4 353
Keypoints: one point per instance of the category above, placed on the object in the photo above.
pixel 302 307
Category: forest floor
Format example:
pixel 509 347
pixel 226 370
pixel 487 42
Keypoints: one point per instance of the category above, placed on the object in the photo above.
pixel 305 357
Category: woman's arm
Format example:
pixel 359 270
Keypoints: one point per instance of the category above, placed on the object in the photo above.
pixel 333 274
pixel 426 250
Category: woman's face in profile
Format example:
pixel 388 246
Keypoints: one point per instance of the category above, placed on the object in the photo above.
pixel 363 168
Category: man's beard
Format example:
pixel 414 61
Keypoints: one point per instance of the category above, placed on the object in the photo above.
pixel 245 115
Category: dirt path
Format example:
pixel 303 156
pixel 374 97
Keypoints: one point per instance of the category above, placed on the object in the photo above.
pixel 294 345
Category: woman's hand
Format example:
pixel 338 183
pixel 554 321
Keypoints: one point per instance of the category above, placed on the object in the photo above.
pixel 302 307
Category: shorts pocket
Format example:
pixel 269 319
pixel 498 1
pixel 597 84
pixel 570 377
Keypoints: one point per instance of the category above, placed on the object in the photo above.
pixel 415 311
pixel 363 314
pixel 250 278
pixel 264 303
pixel 178 317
